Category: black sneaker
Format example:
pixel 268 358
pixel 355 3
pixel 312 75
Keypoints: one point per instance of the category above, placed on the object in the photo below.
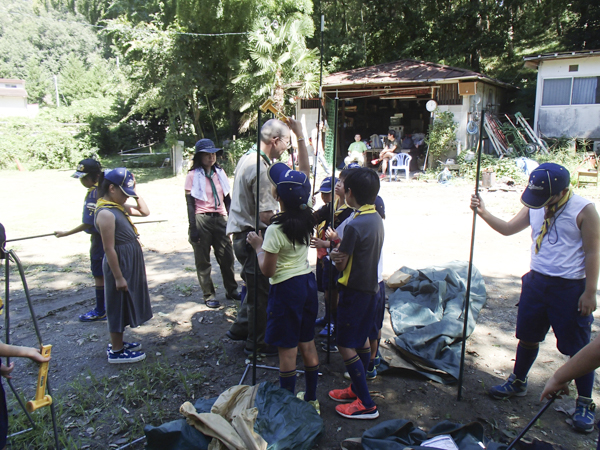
pixel 234 296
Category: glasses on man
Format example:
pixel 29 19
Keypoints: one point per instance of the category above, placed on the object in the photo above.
pixel 287 141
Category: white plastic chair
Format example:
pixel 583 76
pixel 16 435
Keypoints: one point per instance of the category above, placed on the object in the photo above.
pixel 400 161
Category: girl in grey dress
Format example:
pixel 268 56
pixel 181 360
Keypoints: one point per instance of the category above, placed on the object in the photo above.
pixel 125 285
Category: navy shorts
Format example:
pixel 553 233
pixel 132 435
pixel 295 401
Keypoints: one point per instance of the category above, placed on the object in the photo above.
pixel 292 311
pixel 355 317
pixel 3 417
pixel 96 255
pixel 379 312
pixel 552 301
pixel 327 268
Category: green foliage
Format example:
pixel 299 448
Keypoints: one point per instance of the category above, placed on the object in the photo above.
pixel 441 136
pixel 505 167
pixel 234 151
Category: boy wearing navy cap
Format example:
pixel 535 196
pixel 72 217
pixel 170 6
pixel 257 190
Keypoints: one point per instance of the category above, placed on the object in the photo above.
pixel 560 289
pixel 88 173
pixel 356 259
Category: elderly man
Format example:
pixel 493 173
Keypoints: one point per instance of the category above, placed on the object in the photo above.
pixel 356 151
pixel 275 138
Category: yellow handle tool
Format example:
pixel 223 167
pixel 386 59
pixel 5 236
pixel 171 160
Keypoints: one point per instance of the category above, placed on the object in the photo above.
pixel 269 106
pixel 41 399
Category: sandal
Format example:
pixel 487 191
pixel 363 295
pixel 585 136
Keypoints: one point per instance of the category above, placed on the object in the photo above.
pixel 212 303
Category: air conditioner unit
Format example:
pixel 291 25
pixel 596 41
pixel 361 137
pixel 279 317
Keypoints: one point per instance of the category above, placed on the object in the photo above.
pixel 467 88
pixel 596 147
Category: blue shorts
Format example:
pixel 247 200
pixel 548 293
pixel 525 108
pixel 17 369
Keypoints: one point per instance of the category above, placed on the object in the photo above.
pixel 355 317
pixel 3 417
pixel 96 255
pixel 553 301
pixel 292 311
pixel 379 312
pixel 327 268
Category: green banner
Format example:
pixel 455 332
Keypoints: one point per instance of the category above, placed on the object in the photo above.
pixel 330 108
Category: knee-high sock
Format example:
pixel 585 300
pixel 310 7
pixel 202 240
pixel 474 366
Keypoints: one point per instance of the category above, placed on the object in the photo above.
pixel 585 384
pixel 525 358
pixel 100 299
pixel 365 355
pixel 287 380
pixel 311 375
pixel 356 369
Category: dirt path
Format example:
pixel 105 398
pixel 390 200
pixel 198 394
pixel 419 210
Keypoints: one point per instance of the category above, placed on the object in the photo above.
pixel 426 224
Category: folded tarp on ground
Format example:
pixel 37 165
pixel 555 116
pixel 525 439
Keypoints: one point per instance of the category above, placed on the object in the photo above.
pixel 281 421
pixel 401 434
pixel 427 317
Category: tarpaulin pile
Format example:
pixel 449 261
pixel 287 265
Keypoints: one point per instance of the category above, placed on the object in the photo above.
pixel 257 417
pixel 427 319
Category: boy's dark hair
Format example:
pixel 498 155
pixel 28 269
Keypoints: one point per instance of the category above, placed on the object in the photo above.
pixel 364 183
pixel 297 224
pixel 344 173
pixel 393 133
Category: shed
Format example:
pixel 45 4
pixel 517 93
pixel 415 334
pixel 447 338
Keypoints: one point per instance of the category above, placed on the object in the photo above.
pixel 567 101
pixel 13 99
pixel 393 96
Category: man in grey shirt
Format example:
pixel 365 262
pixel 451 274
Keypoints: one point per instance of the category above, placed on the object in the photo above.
pixel 275 138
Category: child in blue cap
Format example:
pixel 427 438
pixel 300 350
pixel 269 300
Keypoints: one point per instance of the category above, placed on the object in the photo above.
pixel 283 257
pixel 560 289
pixel 125 284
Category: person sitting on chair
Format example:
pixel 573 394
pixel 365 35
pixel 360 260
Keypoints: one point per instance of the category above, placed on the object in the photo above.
pixel 356 151
pixel 392 147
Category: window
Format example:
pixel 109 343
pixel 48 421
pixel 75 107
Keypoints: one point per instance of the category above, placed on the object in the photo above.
pixel 574 68
pixel 585 91
pixel 309 103
pixel 557 91
pixel 448 94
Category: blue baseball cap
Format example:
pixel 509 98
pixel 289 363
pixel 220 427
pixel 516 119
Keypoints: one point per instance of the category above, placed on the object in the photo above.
pixel 86 167
pixel 380 206
pixel 207 146
pixel 293 187
pixel 353 165
pixel 122 178
pixel 546 181
pixel 326 185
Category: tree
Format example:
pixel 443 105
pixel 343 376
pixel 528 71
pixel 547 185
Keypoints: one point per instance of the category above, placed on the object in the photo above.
pixel 278 56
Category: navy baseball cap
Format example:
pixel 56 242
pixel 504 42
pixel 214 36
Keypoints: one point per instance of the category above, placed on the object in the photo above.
pixel 546 181
pixel 122 178
pixel 87 166
pixel 380 206
pixel 293 187
pixel 326 185
pixel 207 146
pixel 353 165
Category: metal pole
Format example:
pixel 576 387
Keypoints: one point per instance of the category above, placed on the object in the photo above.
pixel 56 89
pixel 468 293
pixel 316 146
pixel 256 268
pixel 31 237
pixel 531 423
pixel 332 218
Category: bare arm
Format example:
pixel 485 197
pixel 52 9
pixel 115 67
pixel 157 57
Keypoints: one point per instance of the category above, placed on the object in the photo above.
pixel 265 217
pixel 303 164
pixel 105 221
pixel 589 223
pixel 140 209
pixel 340 259
pixel 79 228
pixel 585 361
pixel 513 226
pixel 22 352
pixel 266 261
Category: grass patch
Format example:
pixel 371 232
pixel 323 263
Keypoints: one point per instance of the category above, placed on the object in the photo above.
pixel 114 408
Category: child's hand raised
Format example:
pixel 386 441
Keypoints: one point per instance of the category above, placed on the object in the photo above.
pixel 255 240
pixel 331 234
pixel 318 243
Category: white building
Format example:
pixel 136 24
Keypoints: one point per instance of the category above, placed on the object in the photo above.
pixel 13 99
pixel 568 94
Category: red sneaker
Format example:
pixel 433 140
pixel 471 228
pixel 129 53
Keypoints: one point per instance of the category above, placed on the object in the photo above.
pixel 356 410
pixel 343 395
pixel 382 176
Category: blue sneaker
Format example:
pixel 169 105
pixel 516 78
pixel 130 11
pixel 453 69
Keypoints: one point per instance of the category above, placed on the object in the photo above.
pixel 583 418
pixel 125 356
pixel 321 321
pixel 372 374
pixel 510 388
pixel 323 332
pixel 93 316
pixel 131 346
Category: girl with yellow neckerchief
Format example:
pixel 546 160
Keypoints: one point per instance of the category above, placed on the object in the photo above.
pixel 125 285
pixel 560 289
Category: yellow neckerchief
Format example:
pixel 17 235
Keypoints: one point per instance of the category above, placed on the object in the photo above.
pixel 95 186
pixel 103 203
pixel 550 213
pixel 365 209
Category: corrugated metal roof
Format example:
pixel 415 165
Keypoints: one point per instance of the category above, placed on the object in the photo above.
pixel 13 92
pixel 561 55
pixel 403 72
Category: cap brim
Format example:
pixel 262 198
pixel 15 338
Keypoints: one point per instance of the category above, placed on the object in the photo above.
pixel 210 150
pixel 534 201
pixel 129 192
pixel 79 174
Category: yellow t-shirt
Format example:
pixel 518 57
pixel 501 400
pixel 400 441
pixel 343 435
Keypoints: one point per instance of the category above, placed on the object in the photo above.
pixel 291 261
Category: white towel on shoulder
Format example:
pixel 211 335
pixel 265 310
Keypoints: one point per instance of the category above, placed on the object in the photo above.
pixel 199 183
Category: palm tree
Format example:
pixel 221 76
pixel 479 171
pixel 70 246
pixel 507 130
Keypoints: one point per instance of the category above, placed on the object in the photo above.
pixel 278 57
